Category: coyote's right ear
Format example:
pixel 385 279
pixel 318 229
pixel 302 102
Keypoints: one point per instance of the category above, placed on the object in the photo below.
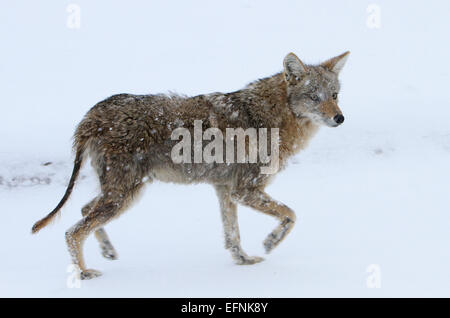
pixel 293 67
pixel 336 64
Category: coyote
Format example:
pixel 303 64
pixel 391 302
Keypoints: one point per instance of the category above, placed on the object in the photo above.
pixel 128 138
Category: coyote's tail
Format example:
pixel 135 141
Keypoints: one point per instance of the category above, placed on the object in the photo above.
pixel 76 169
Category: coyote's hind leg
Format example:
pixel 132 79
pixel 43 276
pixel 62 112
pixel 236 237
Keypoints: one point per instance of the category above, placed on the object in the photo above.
pixel 262 202
pixel 228 211
pixel 106 247
pixel 109 205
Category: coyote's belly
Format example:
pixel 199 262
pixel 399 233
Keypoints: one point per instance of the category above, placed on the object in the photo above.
pixel 193 173
pixel 173 174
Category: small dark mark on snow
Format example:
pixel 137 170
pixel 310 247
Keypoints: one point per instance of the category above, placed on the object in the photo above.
pixel 378 151
pixel 48 163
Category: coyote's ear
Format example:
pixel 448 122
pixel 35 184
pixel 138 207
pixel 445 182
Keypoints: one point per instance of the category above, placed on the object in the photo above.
pixel 336 64
pixel 293 67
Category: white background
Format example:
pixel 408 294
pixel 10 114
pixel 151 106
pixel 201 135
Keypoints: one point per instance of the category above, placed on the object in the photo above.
pixel 373 191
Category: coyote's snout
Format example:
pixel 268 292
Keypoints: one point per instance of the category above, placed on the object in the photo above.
pixel 128 138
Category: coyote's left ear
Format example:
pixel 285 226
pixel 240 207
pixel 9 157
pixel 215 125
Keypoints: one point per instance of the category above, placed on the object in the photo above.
pixel 336 64
pixel 293 67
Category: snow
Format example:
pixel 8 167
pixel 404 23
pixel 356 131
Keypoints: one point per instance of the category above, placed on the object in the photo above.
pixel 370 195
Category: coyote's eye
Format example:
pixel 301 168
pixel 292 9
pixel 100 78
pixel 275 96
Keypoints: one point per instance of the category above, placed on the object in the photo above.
pixel 314 97
pixel 334 95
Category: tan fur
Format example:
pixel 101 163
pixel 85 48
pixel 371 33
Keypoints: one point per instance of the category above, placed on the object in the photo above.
pixel 329 108
pixel 128 140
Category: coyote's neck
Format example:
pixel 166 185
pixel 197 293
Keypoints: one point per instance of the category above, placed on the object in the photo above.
pixel 272 104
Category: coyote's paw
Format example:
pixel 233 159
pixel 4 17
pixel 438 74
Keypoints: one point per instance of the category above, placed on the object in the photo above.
pixel 89 274
pixel 248 260
pixel 109 253
pixel 270 243
pixel 274 238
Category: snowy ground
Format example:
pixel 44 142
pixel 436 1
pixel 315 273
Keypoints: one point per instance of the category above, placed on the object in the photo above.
pixel 374 191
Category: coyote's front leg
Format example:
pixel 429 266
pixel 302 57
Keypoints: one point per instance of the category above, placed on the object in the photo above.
pixel 262 202
pixel 228 210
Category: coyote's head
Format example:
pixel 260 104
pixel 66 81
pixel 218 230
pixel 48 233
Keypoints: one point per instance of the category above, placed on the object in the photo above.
pixel 313 89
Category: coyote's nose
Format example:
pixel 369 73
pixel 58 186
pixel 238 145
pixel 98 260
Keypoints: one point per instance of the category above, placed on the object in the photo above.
pixel 339 119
